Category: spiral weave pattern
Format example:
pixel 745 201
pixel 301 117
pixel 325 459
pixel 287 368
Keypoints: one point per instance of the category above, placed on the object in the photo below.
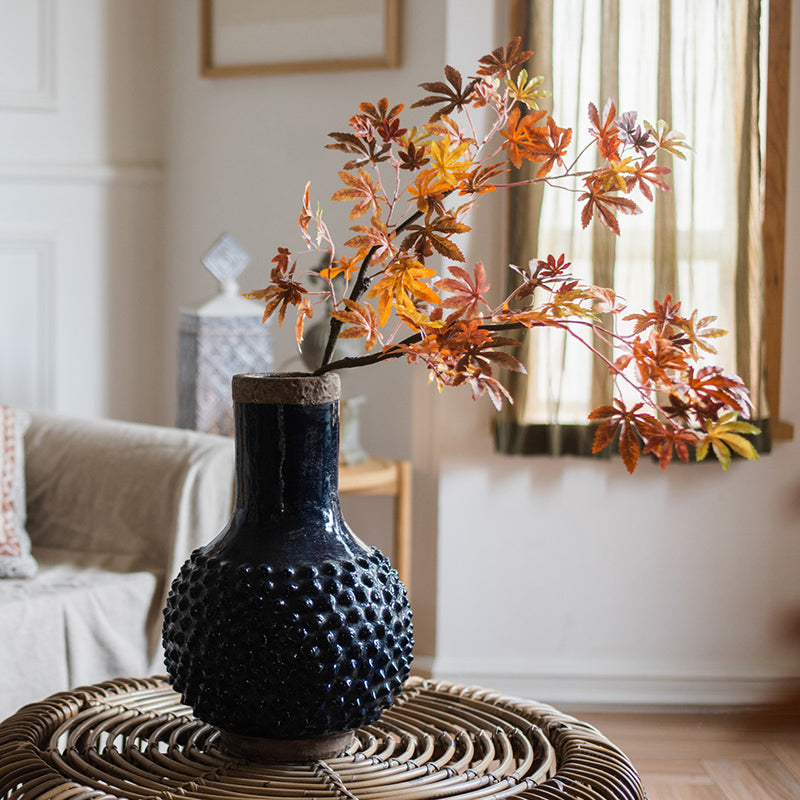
pixel 133 739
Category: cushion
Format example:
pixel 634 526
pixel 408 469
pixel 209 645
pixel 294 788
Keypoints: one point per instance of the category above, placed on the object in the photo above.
pixel 15 545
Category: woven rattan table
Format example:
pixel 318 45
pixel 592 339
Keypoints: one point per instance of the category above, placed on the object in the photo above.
pixel 134 739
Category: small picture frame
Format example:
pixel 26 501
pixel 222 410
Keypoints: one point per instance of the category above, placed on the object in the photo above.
pixel 254 37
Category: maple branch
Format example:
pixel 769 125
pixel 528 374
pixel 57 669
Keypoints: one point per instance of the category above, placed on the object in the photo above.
pixel 578 157
pixel 474 134
pixel 617 373
pixel 392 352
pixel 464 347
pixel 397 351
pixel 360 286
pixel 549 180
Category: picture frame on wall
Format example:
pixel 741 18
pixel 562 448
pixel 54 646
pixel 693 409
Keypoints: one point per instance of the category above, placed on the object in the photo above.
pixel 253 37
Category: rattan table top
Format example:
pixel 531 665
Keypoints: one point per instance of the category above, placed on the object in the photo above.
pixel 132 738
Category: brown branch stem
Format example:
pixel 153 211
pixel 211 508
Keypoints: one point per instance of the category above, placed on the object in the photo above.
pixel 397 350
pixel 360 285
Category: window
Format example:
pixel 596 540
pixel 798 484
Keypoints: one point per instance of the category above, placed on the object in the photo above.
pixel 704 68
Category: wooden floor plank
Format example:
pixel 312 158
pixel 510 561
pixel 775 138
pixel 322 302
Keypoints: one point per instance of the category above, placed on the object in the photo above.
pixel 690 737
pixel 699 756
pixel 686 750
pixel 714 756
pixel 746 780
pixel 661 791
pixel 788 753
pixel 666 769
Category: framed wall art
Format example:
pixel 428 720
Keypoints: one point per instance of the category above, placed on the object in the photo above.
pixel 252 37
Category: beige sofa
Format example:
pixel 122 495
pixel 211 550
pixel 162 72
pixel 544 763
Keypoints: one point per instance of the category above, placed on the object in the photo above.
pixel 113 510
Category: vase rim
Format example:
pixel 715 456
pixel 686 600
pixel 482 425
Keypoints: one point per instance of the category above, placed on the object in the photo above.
pixel 284 388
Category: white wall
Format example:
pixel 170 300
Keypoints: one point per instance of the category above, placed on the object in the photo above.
pixel 80 239
pixel 563 579
pixel 541 589
pixel 571 581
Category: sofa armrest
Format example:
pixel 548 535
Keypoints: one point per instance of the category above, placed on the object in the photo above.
pixel 124 496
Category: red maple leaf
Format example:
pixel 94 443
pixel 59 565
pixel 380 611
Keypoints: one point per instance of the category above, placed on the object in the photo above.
pixel 466 292
pixel 665 440
pixel 645 175
pixel 605 205
pixel 499 62
pixel 629 424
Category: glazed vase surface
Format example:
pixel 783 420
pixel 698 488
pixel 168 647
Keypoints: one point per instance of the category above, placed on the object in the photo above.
pixel 287 626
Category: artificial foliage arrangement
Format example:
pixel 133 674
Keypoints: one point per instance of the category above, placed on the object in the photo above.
pixel 411 189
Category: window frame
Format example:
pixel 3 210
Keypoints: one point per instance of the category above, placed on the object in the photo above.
pixel 773 230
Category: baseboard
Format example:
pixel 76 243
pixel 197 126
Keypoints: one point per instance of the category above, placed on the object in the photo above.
pixel 606 685
pixel 423 666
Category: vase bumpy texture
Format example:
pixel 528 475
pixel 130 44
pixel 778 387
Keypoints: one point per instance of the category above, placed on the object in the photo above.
pixel 287 626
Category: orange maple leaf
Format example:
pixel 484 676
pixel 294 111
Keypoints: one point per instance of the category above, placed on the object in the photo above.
pixel 405 280
pixel 429 191
pixel 478 181
pixel 500 63
pixel 548 144
pixel 517 134
pixel 283 290
pixel 434 234
pixel 346 266
pixel 618 419
pixel 305 310
pixel 363 322
pixel 361 189
pixel 375 239
pixel 645 174
pixel 665 440
pixel 656 357
pixel 305 214
pixel 605 133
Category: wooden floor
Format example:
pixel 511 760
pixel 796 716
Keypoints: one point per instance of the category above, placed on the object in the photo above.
pixel 716 756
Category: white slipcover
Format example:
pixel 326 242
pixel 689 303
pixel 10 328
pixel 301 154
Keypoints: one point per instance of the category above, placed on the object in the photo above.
pixel 113 511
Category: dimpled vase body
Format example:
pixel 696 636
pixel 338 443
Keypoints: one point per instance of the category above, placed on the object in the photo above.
pixel 287 626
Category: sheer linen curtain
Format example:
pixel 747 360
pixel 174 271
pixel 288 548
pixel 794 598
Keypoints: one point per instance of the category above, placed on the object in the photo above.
pixel 696 64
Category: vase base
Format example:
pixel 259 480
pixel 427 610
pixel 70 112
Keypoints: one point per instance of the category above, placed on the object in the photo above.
pixel 255 748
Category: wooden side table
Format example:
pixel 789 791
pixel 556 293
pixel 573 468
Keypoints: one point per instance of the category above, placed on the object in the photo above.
pixel 381 476
pixel 133 739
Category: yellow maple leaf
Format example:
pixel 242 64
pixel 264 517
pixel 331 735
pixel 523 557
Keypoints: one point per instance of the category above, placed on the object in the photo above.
pixel 723 435
pixel 448 164
pixel 405 279
pixel 612 177
pixel 348 266
pixel 527 90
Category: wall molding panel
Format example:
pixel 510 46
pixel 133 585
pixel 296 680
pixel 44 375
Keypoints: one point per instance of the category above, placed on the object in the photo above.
pixel 27 308
pixel 60 173
pixel 33 67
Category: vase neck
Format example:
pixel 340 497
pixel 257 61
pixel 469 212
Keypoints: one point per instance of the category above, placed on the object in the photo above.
pixel 286 459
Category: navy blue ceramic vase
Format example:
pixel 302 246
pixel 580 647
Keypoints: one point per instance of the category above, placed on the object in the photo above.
pixel 287 629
